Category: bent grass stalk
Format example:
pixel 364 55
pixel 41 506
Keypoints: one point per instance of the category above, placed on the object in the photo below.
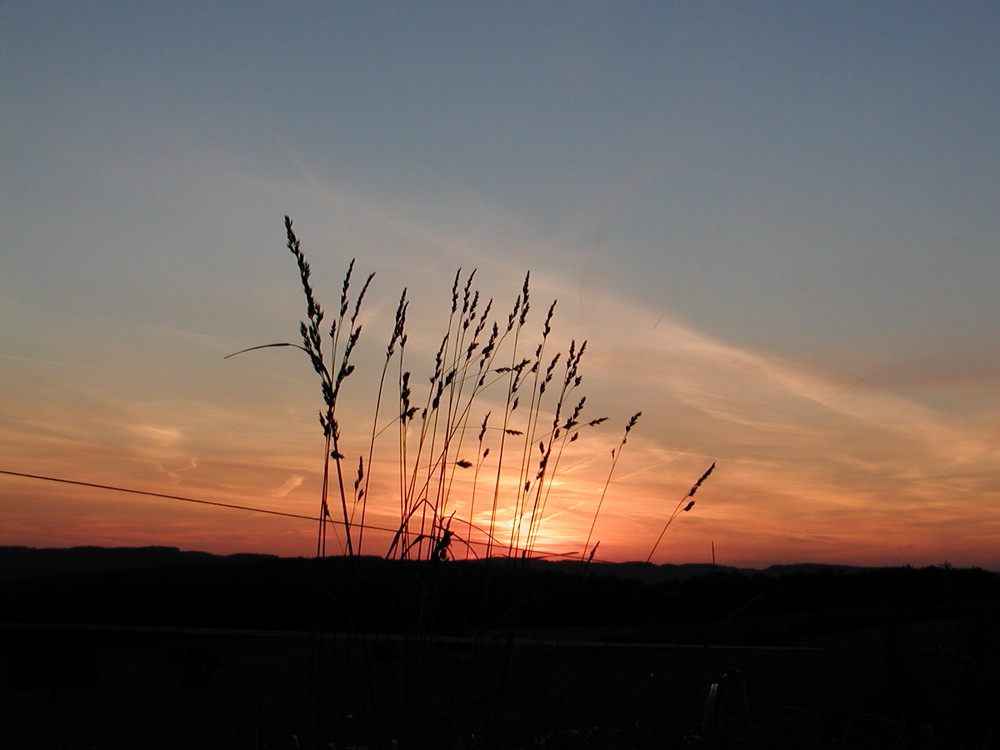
pixel 678 509
pixel 615 456
pixel 312 344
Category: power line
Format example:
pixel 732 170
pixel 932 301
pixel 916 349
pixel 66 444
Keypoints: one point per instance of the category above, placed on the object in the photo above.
pixel 230 506
pixel 170 497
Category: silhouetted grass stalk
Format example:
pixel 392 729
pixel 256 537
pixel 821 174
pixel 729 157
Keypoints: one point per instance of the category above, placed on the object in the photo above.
pixel 616 454
pixel 678 509
pixel 397 337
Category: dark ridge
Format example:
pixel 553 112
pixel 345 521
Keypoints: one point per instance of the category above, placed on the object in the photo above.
pixel 28 562
pixel 163 586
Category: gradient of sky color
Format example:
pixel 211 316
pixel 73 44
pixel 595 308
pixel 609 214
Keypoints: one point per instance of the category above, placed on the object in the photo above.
pixel 776 223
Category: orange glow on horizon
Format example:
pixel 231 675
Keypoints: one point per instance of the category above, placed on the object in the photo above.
pixel 807 471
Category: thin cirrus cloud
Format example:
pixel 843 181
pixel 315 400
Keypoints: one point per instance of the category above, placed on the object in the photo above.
pixel 796 449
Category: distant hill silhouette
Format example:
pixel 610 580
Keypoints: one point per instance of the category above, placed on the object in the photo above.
pixel 162 586
pixel 650 573
pixel 28 562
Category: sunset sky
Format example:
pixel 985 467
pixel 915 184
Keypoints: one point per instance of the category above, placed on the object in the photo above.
pixel 776 224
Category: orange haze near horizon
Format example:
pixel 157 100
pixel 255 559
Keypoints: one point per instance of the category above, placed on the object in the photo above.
pixel 808 469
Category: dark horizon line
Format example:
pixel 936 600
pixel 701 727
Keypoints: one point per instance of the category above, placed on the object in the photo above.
pixel 558 560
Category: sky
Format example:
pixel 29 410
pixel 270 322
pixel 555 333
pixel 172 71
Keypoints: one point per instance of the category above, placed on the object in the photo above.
pixel 775 224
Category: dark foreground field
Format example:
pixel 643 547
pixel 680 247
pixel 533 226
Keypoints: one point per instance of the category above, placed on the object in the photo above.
pixel 814 659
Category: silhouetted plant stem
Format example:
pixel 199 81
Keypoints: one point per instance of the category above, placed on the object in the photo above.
pixel 678 509
pixel 518 315
pixel 615 456
pixel 398 335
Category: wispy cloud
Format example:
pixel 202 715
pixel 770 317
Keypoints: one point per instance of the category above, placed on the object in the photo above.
pixel 288 486
pixel 203 339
